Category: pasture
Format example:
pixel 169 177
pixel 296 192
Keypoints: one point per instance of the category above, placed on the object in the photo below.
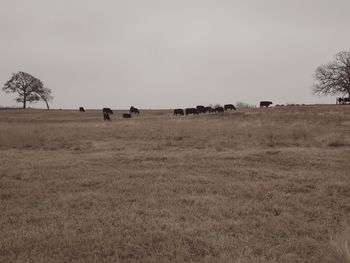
pixel 254 185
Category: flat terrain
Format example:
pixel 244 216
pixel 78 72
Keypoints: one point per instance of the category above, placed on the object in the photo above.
pixel 255 185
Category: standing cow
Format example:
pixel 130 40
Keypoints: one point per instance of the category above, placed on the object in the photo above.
pixel 106 112
pixel 191 111
pixel 229 107
pixel 134 110
pixel 200 109
pixel 343 100
pixel 179 112
pixel 339 101
pixel 209 109
pixel 219 109
pixel 265 103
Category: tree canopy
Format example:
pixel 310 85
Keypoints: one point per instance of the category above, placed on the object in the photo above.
pixel 334 77
pixel 28 88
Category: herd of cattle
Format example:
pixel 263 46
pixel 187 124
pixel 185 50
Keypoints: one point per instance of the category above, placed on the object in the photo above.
pixel 343 100
pixel 194 111
pixel 107 111
pixel 201 109
pixel 197 110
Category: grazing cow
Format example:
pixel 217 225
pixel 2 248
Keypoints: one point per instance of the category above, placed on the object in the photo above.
pixel 134 110
pixel 229 107
pixel 127 116
pixel 81 109
pixel 265 104
pixel 219 109
pixel 179 112
pixel 200 109
pixel 191 111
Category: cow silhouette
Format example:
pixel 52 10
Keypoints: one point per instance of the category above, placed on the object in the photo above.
pixel 191 111
pixel 219 109
pixel 179 112
pixel 134 110
pixel 209 109
pixel 106 116
pixel 265 103
pixel 106 112
pixel 343 100
pixel 229 107
pixel 81 109
pixel 200 109
pixel 126 115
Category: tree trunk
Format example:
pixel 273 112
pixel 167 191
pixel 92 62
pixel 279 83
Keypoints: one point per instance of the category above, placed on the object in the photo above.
pixel 24 97
pixel 47 104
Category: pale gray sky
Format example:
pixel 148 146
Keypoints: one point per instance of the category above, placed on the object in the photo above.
pixel 166 54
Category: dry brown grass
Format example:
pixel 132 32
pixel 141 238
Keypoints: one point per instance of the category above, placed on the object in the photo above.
pixel 256 185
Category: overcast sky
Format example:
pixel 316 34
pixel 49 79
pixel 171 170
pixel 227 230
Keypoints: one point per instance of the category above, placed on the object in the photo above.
pixel 166 54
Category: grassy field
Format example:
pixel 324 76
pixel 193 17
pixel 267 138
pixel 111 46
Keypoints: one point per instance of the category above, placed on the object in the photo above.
pixel 255 185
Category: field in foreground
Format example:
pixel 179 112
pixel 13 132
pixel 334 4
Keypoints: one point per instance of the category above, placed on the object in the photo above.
pixel 258 185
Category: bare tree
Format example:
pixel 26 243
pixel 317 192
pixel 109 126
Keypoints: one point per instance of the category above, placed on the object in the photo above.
pixel 28 88
pixel 334 78
pixel 45 95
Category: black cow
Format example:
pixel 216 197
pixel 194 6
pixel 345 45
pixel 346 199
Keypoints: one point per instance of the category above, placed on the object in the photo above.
pixel 179 112
pixel 81 109
pixel 265 103
pixel 343 100
pixel 108 110
pixel 200 109
pixel 209 109
pixel 126 115
pixel 191 111
pixel 106 116
pixel 219 109
pixel 229 107
pixel 134 110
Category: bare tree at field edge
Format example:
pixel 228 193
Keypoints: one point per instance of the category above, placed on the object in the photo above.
pixel 334 77
pixel 28 88
pixel 46 96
